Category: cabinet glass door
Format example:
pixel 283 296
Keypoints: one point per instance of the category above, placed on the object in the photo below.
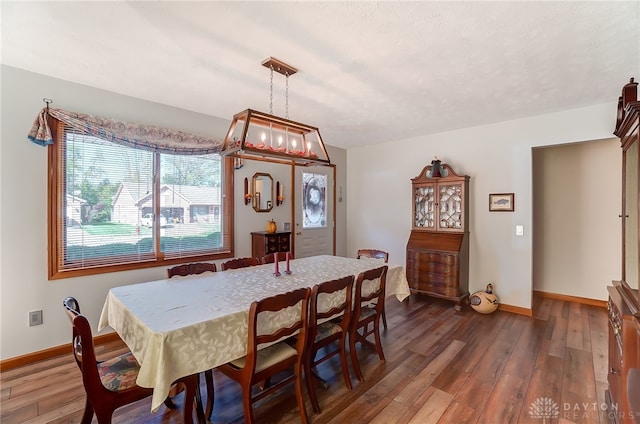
pixel 631 254
pixel 424 215
pixel 450 207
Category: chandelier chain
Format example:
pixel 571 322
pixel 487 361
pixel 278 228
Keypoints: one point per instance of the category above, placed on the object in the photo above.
pixel 271 92
pixel 286 95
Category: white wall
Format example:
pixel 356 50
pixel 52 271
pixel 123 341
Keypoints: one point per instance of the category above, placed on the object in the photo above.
pixel 246 219
pixel 577 201
pixel 23 195
pixel 498 158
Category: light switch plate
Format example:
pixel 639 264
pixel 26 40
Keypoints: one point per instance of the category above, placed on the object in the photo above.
pixel 519 230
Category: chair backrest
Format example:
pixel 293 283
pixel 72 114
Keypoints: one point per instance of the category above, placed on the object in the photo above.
pixel 373 291
pixel 82 344
pixel 269 259
pixel 240 263
pixel 373 253
pixel 338 307
pixel 190 269
pixel 72 307
pixel 287 327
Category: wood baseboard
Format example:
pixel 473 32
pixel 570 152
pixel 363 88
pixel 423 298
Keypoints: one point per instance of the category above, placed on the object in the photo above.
pixel 567 298
pixel 515 309
pixel 52 352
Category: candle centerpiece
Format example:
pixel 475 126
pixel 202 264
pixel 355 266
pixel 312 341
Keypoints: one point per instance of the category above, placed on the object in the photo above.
pixel 288 270
pixel 276 265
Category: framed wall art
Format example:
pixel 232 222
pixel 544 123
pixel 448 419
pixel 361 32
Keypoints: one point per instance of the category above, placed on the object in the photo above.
pixel 501 202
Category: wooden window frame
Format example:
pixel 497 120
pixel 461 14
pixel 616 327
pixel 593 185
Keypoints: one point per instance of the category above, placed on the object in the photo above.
pixel 56 219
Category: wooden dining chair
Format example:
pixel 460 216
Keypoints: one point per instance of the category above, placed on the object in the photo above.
pixel 111 383
pixel 326 326
pixel 269 259
pixel 373 253
pixel 240 263
pixel 108 384
pixel 261 364
pixel 376 254
pixel 190 269
pixel 369 287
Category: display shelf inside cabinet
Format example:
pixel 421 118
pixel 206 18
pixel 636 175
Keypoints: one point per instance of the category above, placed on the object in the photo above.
pixel 438 247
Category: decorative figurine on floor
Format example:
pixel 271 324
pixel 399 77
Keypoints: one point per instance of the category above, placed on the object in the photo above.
pixel 484 302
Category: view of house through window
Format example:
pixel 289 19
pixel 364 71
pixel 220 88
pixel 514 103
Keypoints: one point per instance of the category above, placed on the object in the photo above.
pixel 123 205
pixel 189 203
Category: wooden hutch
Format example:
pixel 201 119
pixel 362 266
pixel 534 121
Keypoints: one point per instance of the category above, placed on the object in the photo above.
pixel 623 396
pixel 438 248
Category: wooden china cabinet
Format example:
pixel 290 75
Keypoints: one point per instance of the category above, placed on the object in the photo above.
pixel 438 248
pixel 623 396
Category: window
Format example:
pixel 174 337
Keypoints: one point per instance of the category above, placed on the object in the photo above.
pixel 114 207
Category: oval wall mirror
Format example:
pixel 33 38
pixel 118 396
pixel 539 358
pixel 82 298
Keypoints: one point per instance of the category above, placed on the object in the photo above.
pixel 262 192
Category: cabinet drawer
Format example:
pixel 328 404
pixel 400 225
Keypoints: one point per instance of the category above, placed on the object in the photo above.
pixel 283 247
pixel 278 242
pixel 272 248
pixel 427 270
pixel 419 274
pixel 438 280
pixel 438 268
pixel 271 240
pixel 434 257
pixel 433 287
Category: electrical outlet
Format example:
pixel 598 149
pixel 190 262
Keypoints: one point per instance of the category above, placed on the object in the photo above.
pixel 35 318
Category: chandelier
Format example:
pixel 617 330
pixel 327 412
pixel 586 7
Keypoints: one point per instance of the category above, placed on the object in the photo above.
pixel 259 135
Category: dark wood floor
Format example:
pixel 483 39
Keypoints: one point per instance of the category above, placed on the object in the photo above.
pixel 442 366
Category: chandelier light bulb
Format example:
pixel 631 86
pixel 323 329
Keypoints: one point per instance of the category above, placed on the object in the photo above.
pixel 293 143
pixel 280 140
pixel 263 137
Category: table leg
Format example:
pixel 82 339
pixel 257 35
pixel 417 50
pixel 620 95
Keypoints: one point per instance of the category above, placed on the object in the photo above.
pixel 191 393
pixel 208 376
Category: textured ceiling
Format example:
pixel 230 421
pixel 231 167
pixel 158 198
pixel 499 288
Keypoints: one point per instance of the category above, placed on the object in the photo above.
pixel 369 72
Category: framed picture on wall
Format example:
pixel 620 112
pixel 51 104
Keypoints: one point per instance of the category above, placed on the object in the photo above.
pixel 501 202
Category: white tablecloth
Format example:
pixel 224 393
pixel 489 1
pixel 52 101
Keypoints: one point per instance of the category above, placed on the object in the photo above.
pixel 182 326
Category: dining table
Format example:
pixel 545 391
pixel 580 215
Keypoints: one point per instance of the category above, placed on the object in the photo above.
pixel 181 326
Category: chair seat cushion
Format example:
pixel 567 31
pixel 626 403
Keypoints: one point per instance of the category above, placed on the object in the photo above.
pixel 269 356
pixel 327 329
pixel 367 312
pixel 119 373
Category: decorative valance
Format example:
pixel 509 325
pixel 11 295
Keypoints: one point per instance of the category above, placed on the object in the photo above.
pixel 135 135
